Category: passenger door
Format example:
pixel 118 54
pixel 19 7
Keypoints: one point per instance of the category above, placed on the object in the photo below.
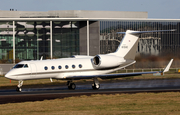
pixel 33 70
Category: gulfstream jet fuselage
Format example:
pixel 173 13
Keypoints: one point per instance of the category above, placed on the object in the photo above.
pixel 81 66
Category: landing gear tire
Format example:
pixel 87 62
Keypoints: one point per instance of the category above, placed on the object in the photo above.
pixel 18 89
pixel 72 86
pixel 95 86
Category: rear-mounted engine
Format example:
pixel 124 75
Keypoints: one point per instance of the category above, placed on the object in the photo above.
pixel 106 61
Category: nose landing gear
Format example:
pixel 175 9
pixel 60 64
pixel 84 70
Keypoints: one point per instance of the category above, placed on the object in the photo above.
pixel 18 89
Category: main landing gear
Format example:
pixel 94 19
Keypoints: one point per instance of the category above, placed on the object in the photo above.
pixel 19 86
pixel 96 84
pixel 71 85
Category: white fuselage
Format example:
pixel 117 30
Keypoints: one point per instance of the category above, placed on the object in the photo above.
pixel 58 69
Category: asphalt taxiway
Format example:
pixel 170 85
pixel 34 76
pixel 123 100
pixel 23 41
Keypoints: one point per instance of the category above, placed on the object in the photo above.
pixel 111 87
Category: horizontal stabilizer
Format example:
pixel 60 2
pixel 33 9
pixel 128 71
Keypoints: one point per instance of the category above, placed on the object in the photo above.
pixel 141 32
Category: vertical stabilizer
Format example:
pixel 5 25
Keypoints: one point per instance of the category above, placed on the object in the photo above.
pixel 128 46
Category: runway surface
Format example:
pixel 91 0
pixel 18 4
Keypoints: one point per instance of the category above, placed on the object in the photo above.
pixel 110 87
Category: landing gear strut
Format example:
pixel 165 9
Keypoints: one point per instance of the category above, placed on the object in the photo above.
pixel 19 86
pixel 96 84
pixel 71 85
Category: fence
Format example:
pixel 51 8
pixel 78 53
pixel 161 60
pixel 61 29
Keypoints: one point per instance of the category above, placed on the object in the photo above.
pixel 171 70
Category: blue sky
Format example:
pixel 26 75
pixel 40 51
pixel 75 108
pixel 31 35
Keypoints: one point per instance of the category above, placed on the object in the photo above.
pixel 156 8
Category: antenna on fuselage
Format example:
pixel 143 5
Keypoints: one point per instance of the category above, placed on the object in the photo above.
pixel 41 58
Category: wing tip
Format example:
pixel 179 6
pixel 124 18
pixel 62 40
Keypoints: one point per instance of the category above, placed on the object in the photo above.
pixel 168 66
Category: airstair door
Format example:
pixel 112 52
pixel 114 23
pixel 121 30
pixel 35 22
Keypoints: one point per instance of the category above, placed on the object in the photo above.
pixel 33 70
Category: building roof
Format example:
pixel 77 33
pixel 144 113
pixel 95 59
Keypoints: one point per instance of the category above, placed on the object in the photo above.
pixel 72 14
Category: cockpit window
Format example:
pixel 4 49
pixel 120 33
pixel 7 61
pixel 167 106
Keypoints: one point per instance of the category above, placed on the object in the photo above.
pixel 18 65
pixel 25 66
pixel 21 66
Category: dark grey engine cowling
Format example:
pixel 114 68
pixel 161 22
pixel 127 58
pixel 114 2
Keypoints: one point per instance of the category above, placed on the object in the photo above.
pixel 106 61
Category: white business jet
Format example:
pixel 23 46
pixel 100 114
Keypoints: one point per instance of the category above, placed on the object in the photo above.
pixel 84 67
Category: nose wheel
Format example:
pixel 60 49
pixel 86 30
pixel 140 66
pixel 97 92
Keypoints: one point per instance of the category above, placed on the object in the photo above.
pixel 18 89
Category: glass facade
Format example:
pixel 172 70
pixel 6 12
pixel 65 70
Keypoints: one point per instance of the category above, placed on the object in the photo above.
pixel 6 42
pixel 161 43
pixel 65 38
pixel 32 40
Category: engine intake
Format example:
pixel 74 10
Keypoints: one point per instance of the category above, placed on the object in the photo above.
pixel 96 60
pixel 106 61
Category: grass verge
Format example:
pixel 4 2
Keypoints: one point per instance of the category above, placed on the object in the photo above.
pixel 138 104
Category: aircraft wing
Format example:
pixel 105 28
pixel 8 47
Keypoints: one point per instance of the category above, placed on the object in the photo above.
pixel 109 76
pixel 120 75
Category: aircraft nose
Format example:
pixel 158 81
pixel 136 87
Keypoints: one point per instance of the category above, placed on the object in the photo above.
pixel 8 76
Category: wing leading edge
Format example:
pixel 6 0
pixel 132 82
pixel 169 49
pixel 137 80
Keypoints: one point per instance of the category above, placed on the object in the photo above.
pixel 120 75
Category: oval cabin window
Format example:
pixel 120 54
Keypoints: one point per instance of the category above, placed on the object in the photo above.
pixel 73 66
pixel 66 66
pixel 52 67
pixel 59 67
pixel 46 68
pixel 80 66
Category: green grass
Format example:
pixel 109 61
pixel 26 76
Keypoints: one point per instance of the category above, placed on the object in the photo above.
pixel 138 104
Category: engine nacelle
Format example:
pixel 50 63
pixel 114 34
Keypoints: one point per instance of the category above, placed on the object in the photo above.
pixel 106 61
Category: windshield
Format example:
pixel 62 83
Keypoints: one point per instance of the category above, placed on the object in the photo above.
pixel 21 66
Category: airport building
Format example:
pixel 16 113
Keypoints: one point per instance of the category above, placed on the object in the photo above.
pixel 28 35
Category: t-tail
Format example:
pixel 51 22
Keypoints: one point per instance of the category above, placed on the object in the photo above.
pixel 128 46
